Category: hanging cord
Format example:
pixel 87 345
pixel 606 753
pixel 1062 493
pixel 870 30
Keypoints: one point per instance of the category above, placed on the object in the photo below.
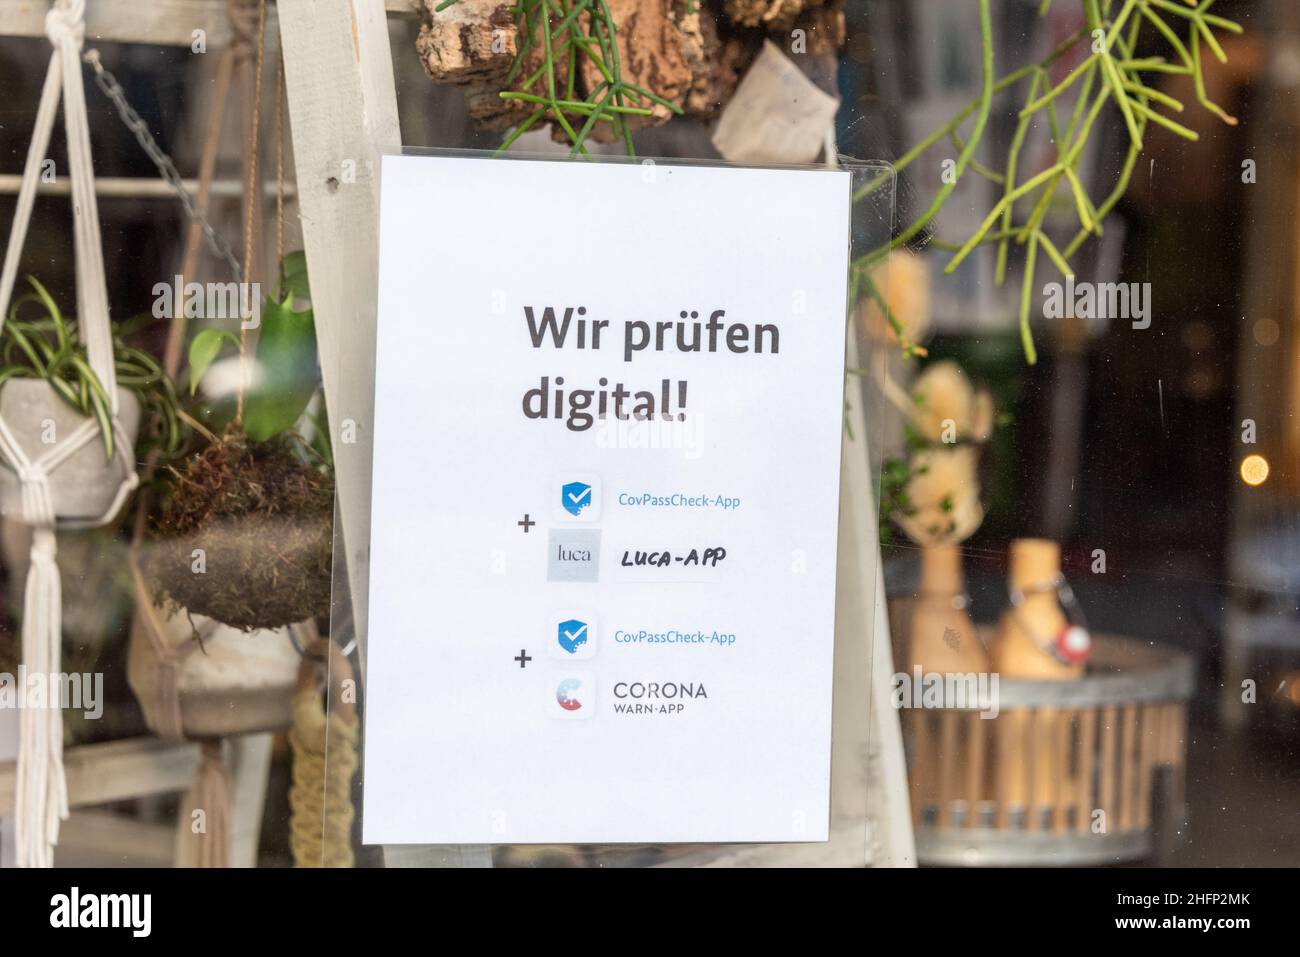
pixel 199 229
pixel 279 166
pixel 195 210
pixel 66 28
pixel 199 226
pixel 324 743
pixel 204 837
pixel 250 207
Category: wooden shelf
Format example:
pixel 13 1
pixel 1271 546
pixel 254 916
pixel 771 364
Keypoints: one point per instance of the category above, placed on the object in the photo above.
pixel 114 771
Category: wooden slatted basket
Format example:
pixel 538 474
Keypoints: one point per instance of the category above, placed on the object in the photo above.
pixel 1064 774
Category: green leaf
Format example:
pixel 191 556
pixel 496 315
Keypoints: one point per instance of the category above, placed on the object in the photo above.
pixel 295 276
pixel 44 297
pixel 101 412
pixel 203 352
pixel 287 371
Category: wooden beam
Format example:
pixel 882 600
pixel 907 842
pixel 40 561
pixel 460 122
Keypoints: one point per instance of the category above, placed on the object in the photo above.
pixel 100 773
pixel 343 116
pixel 104 839
pixel 139 187
pixel 157 22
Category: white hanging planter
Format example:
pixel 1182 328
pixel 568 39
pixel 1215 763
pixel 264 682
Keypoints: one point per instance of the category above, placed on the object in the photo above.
pixel 224 682
pixel 84 485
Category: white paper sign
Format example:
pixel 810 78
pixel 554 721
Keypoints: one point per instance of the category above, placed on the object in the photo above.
pixel 618 629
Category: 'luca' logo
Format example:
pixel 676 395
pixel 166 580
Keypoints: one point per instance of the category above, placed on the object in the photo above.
pixel 133 911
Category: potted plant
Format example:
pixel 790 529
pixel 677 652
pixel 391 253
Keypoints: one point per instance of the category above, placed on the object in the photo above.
pixel 48 391
pixel 241 549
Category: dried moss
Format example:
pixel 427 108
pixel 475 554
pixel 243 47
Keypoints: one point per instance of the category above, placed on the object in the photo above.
pixel 263 520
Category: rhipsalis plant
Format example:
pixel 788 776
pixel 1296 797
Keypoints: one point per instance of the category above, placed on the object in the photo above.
pixel 567 68
pixel 1112 74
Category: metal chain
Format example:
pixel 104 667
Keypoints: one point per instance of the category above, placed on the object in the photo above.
pixel 108 84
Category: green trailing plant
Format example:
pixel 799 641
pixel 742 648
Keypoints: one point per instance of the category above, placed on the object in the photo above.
pixel 1112 74
pixel 566 34
pixel 45 345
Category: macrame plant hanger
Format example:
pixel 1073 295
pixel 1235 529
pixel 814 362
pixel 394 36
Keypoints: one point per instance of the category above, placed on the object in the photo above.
pixel 41 801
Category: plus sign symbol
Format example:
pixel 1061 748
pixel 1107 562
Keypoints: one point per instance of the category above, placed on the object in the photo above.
pixel 523 658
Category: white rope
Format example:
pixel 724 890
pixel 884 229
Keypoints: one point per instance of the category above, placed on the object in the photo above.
pixel 41 801
pixel 42 790
pixel 31 176
pixel 66 26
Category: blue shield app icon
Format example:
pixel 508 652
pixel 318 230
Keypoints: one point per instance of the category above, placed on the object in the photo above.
pixel 575 496
pixel 572 635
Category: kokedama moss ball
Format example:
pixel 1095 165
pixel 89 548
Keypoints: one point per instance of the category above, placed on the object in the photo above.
pixel 264 522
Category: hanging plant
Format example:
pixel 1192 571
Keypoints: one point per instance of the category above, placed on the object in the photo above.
pixel 45 346
pixel 564 62
pixel 1112 74
pixel 245 534
pixel 594 70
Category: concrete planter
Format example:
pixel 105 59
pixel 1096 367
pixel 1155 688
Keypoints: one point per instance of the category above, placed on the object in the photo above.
pixel 83 486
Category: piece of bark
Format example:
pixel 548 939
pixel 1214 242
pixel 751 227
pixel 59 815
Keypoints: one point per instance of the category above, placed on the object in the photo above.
pixel 686 56
pixel 470 42
pixel 768 14
pixel 718 58
pixel 652 51
pixel 818 50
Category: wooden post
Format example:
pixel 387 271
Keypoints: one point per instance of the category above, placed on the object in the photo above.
pixel 338 71
pixel 250 759
pixel 343 116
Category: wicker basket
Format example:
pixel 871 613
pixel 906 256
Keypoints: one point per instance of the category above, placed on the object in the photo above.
pixel 1063 774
